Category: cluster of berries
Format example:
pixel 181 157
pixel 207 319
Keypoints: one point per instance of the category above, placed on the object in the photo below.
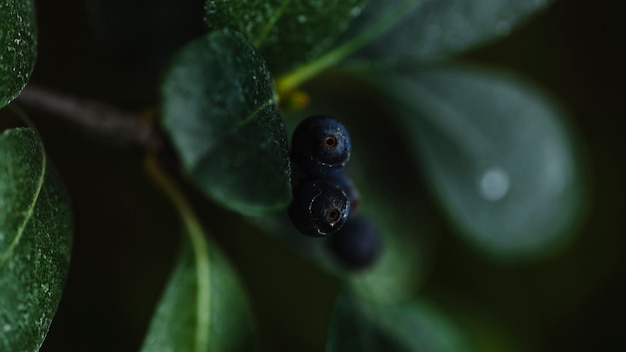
pixel 324 198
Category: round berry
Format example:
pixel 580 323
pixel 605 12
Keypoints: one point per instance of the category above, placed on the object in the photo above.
pixel 318 208
pixel 320 145
pixel 357 245
pixel 345 183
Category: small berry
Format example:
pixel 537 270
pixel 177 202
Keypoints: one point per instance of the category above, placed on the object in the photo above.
pixel 346 185
pixel 318 208
pixel 357 245
pixel 320 146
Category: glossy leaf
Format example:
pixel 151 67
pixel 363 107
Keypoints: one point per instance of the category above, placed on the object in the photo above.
pixel 359 325
pixel 35 240
pixel 431 29
pixel 288 33
pixel 18 47
pixel 497 154
pixel 219 109
pixel 176 325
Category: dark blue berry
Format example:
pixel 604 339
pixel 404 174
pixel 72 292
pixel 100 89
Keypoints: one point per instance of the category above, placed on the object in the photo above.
pixel 320 145
pixel 346 184
pixel 318 208
pixel 357 245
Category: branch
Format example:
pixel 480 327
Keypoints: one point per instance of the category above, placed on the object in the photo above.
pixel 94 118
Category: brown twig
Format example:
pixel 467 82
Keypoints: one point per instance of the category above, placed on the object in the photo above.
pixel 94 118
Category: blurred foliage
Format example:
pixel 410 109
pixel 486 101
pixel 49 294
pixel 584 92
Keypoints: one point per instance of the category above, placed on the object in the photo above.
pixel 565 302
pixel 366 326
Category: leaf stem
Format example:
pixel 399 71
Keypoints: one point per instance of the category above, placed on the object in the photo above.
pixel 295 78
pixel 200 248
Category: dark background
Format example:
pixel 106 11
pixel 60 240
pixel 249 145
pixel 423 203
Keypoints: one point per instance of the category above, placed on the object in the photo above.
pixel 126 234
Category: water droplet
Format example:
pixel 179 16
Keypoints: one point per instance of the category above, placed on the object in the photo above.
pixel 356 11
pixel 494 184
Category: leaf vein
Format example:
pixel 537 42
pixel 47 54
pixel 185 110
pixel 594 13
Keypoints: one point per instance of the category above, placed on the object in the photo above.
pixel 293 79
pixel 261 107
pixel 29 211
pixel 258 41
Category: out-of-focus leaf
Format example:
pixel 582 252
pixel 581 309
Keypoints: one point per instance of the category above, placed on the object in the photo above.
pixel 287 32
pixel 436 28
pixel 399 270
pixel 18 47
pixel 219 109
pixel 359 325
pixel 35 239
pixel 497 154
pixel 176 325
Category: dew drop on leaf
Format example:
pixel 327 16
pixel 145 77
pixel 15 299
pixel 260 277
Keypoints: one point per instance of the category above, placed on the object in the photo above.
pixel 494 183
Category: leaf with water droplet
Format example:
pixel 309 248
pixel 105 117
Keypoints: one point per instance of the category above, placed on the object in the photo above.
pixel 360 325
pixel 219 108
pixel 288 33
pixel 431 29
pixel 497 153
pixel 18 47
pixel 35 237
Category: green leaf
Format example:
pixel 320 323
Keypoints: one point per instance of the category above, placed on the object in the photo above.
pixel 220 110
pixel 439 28
pixel 35 240
pixel 497 154
pixel 359 325
pixel 220 320
pixel 288 33
pixel 18 47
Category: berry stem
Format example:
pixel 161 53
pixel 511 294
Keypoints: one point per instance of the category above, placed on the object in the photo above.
pixel 200 247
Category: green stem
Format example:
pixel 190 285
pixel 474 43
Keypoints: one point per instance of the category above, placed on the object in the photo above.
pixel 200 248
pixel 295 78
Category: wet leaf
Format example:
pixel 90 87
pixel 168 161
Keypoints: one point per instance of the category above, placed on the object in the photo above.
pixel 288 33
pixel 179 323
pixel 496 152
pixel 35 240
pixel 18 47
pixel 220 111
pixel 359 325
